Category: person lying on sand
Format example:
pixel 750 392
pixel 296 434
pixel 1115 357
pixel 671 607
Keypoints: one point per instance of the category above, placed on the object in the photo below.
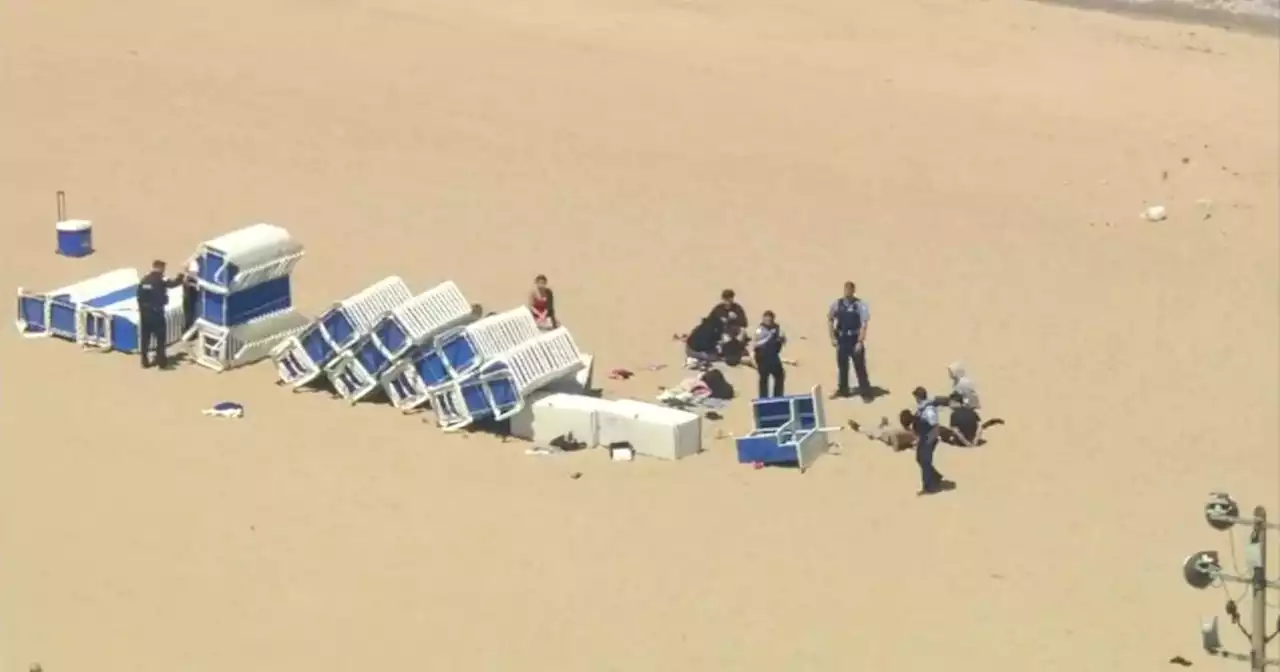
pixel 898 438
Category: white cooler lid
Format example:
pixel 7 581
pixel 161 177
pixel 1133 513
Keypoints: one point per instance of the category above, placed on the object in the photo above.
pixel 75 225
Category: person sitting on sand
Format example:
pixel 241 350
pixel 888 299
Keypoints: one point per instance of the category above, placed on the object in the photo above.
pixel 898 438
pixel 542 303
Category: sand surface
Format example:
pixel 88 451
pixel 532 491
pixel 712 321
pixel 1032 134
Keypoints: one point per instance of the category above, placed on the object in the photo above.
pixel 976 166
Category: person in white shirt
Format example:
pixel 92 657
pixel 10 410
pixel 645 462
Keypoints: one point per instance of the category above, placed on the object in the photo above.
pixel 927 432
pixel 963 385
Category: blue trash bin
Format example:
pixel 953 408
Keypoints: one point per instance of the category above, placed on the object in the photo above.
pixel 75 238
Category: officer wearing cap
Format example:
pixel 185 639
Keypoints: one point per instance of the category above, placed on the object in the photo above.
pixel 153 297
pixel 847 320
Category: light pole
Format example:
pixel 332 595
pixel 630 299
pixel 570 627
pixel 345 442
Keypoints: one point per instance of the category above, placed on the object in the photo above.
pixel 1203 569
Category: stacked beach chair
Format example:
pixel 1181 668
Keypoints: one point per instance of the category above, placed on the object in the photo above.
pixel 432 349
pixel 245 305
pixel 455 354
pixel 305 356
pixel 499 386
pixel 101 312
pixel 400 334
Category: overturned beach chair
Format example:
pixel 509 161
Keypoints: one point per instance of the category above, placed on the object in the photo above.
pixel 55 313
pixel 499 389
pixel 358 371
pixel 455 353
pixel 117 325
pixel 788 430
pixel 302 358
pixel 260 256
pixel 222 348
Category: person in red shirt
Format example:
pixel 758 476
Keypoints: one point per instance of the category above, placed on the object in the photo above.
pixel 542 303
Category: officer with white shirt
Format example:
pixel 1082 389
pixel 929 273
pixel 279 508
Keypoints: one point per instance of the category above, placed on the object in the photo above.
pixel 926 442
pixel 769 342
pixel 847 321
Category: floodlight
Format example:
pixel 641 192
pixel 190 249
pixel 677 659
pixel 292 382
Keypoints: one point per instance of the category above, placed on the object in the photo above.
pixel 1221 511
pixel 1201 569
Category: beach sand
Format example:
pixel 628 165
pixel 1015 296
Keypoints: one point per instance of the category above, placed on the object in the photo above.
pixel 977 167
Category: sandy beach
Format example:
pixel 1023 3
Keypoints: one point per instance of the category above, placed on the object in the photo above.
pixel 977 166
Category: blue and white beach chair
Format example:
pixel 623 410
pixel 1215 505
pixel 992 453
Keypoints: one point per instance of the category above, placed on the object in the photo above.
pixel 455 353
pixel 499 389
pixel 302 358
pixel 260 254
pixel 359 371
pixel 117 324
pixel 54 313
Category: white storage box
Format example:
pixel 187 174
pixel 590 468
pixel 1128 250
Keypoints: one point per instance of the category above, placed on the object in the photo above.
pixel 552 415
pixel 656 431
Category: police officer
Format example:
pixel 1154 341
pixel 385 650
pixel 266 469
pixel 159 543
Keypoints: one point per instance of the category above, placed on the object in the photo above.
pixel 768 355
pixel 848 318
pixel 153 296
pixel 926 429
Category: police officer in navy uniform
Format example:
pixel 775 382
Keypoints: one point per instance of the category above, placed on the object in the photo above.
pixel 927 430
pixel 848 318
pixel 153 297
pixel 768 355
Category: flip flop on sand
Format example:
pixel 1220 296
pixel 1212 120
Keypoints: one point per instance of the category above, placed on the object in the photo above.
pixel 620 374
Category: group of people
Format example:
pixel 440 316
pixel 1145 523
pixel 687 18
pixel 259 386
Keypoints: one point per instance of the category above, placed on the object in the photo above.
pixel 722 336
pixel 922 429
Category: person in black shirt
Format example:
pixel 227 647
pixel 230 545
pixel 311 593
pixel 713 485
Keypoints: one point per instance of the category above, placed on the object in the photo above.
pixel 153 296
pixel 768 355
pixel 733 345
pixel 701 346
pixel 965 426
pixel 729 311
pixel 190 297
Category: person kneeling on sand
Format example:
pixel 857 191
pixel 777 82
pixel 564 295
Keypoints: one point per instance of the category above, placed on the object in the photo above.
pixel 898 438
pixel 702 345
pixel 963 385
pixel 965 426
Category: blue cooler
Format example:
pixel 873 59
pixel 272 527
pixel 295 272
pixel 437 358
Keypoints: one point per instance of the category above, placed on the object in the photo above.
pixel 75 238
